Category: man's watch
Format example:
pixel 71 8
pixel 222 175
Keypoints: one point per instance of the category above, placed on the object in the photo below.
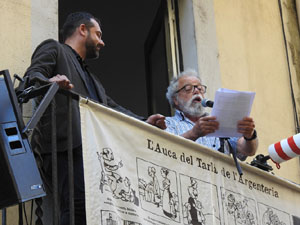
pixel 254 135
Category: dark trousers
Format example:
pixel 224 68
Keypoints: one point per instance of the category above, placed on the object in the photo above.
pixel 63 185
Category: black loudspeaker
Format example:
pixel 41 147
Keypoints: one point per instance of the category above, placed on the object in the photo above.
pixel 19 175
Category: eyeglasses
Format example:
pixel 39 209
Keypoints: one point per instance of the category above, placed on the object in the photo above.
pixel 189 88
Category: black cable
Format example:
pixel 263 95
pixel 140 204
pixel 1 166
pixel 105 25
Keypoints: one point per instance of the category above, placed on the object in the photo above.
pixel 23 206
pixel 31 212
pixel 4 216
pixel 289 69
pixel 20 214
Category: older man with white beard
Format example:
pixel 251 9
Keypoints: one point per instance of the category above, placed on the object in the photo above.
pixel 192 122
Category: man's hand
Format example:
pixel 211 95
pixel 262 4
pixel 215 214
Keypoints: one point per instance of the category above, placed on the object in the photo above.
pixel 62 81
pixel 157 120
pixel 205 125
pixel 246 127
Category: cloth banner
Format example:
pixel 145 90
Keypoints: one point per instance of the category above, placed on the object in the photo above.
pixel 138 174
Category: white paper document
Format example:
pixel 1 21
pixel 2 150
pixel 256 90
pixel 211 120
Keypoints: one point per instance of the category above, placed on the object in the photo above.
pixel 229 107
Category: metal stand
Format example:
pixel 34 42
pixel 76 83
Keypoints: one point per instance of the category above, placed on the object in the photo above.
pixel 260 161
pixel 16 149
pixel 46 93
pixel 39 211
pixel 51 91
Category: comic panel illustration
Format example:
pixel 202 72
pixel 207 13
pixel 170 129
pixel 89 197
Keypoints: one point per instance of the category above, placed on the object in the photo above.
pixel 158 190
pixel 199 202
pixel 238 209
pixel 111 218
pixel 271 216
pixel 111 179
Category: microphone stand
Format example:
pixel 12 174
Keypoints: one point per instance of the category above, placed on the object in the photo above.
pixel 232 151
pixel 209 103
pixel 260 161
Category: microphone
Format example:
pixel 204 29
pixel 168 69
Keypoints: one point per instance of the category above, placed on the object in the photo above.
pixel 207 103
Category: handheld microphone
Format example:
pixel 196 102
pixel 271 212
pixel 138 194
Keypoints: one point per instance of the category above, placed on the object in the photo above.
pixel 207 103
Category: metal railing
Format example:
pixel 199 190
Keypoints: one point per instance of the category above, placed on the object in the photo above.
pixel 54 157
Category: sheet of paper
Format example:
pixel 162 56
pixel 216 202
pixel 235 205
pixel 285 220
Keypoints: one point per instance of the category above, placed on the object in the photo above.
pixel 229 107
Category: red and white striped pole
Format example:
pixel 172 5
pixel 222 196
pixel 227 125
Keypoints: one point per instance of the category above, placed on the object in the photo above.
pixel 285 149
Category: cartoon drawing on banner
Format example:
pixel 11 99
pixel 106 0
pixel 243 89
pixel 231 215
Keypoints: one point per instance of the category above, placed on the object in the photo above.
pixel 158 190
pixel 110 218
pixel 271 216
pixel 200 202
pixel 169 199
pixel 152 189
pixel 120 187
pixel 238 209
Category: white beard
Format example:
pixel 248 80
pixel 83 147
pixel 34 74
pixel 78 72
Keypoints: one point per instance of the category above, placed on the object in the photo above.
pixel 191 108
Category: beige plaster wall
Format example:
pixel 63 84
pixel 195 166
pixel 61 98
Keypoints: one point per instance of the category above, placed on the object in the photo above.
pixel 44 22
pixel 298 10
pixel 44 25
pixel 252 57
pixel 291 32
pixel 15 38
pixel 206 45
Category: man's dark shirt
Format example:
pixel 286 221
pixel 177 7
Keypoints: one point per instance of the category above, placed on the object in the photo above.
pixel 91 86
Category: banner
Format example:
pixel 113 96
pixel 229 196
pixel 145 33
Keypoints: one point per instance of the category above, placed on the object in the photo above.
pixel 138 174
